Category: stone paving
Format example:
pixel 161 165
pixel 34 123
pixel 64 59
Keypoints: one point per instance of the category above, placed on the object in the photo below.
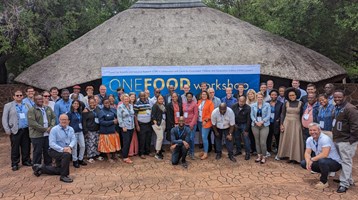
pixel 152 179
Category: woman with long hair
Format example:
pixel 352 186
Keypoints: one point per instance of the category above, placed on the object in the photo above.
pixel 205 108
pixel 133 149
pixel 158 116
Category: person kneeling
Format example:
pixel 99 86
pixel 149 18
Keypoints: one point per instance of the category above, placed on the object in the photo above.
pixel 327 158
pixel 62 139
pixel 180 137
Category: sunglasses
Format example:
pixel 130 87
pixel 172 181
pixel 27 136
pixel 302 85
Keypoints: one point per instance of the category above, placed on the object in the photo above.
pixel 46 95
pixel 18 95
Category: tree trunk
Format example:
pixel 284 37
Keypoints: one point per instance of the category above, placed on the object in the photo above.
pixel 3 70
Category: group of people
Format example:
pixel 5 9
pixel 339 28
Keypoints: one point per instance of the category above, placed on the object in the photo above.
pixel 318 131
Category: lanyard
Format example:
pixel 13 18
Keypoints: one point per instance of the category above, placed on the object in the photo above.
pixel 66 132
pixel 323 111
pixel 20 107
pixel 78 116
pixel 180 133
pixel 316 144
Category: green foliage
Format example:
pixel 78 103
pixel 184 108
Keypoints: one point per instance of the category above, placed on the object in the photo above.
pixel 45 26
pixel 328 27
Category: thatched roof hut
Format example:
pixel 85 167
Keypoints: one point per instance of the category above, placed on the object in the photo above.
pixel 177 32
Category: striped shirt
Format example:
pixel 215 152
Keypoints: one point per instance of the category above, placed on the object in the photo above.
pixel 143 111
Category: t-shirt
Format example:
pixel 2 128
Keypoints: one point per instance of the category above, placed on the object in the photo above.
pixel 323 141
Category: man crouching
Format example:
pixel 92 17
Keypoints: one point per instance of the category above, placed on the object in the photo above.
pixel 180 137
pixel 326 157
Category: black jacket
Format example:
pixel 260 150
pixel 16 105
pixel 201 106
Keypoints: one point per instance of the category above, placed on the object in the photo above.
pixel 277 118
pixel 88 122
pixel 157 114
pixel 242 116
pixel 170 121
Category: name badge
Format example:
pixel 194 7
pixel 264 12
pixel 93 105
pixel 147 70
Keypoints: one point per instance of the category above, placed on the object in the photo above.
pixel 321 124
pixel 334 122
pixel 259 119
pixel 272 116
pixel 163 116
pixel 177 114
pixel 22 116
pixel 80 125
pixel 306 116
pixel 185 114
pixel 96 120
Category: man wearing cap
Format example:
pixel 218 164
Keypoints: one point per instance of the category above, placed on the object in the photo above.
pixel 77 90
pixel 89 91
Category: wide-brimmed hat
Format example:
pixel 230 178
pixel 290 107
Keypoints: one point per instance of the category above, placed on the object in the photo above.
pixel 290 89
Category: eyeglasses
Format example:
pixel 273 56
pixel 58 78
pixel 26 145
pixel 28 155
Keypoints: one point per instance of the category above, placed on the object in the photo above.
pixel 18 95
pixel 46 95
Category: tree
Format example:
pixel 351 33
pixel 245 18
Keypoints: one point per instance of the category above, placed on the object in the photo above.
pixel 33 29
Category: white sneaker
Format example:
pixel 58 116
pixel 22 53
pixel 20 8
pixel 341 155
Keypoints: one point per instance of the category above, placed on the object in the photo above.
pixel 91 160
pixel 268 154
pixel 321 186
pixel 100 158
pixel 332 174
pixel 277 158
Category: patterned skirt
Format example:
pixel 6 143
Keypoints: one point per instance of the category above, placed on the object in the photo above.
pixel 109 143
pixel 91 141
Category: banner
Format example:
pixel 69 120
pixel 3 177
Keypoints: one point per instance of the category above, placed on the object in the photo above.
pixel 138 78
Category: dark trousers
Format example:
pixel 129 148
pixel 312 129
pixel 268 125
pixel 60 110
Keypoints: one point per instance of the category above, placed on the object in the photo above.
pixel 40 150
pixel 238 135
pixel 119 131
pixel 63 168
pixel 323 166
pixel 127 139
pixel 270 137
pixel 252 140
pixel 179 153
pixel 219 143
pixel 210 142
pixel 20 142
pixel 144 138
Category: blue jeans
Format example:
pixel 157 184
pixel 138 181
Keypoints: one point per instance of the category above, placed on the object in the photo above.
pixel 192 139
pixel 219 142
pixel 240 133
pixel 81 141
pixel 179 153
pixel 204 134
pixel 323 166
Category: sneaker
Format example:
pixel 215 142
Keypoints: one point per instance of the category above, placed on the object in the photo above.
pixel 185 165
pixel 192 156
pixel 91 160
pixel 277 158
pixel 268 154
pixel 100 158
pixel 321 186
pixel 332 174
pixel 158 156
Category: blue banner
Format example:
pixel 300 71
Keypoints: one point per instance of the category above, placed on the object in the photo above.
pixel 137 79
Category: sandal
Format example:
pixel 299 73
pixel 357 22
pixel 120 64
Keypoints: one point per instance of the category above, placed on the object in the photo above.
pixel 263 160
pixel 258 158
pixel 128 161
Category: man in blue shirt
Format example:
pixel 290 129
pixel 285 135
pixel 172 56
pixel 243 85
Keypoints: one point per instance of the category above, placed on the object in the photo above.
pixel 63 105
pixel 296 84
pixel 62 139
pixel 30 93
pixel 14 121
pixel 229 99
pixel 326 157
pixel 180 137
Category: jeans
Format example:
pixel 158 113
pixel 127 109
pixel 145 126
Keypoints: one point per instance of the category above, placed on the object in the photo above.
pixel 127 139
pixel 260 134
pixel 323 166
pixel 144 138
pixel 40 150
pixel 204 134
pixel 192 139
pixel 81 141
pixel 20 140
pixel 179 153
pixel 219 143
pixel 237 136
pixel 63 167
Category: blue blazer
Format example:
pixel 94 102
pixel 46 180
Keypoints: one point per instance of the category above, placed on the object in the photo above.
pixel 266 113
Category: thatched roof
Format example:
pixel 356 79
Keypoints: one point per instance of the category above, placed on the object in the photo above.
pixel 143 36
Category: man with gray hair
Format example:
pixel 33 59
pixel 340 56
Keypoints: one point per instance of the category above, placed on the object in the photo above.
pixel 326 157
